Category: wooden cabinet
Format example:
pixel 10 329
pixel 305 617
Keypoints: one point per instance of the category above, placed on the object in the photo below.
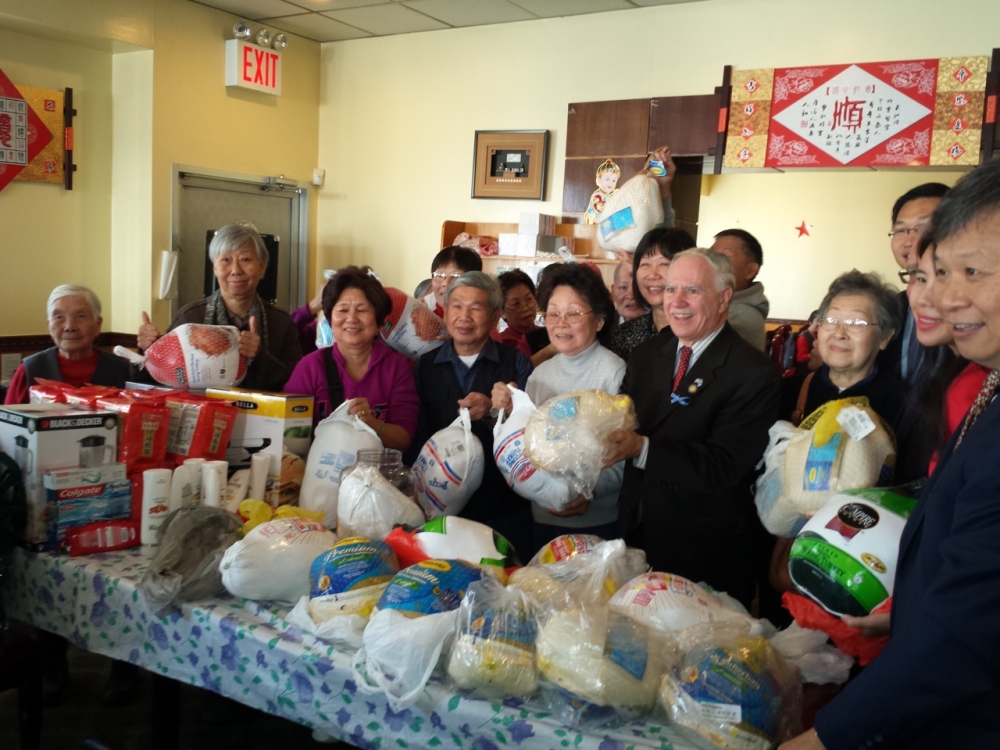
pixel 615 128
pixel 583 234
pixel 688 124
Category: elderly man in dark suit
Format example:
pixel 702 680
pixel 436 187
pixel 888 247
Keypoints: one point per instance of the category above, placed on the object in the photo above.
pixel 937 684
pixel 705 399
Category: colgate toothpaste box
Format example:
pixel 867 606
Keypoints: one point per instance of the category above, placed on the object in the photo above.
pixel 53 436
pixel 81 495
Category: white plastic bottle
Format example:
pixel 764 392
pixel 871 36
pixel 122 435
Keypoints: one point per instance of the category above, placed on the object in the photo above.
pixel 155 507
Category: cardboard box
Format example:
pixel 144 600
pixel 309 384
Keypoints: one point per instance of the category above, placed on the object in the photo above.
pixel 53 436
pixel 81 495
pixel 267 422
pixel 536 223
pixel 532 244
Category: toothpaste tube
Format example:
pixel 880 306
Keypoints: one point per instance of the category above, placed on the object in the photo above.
pixel 102 536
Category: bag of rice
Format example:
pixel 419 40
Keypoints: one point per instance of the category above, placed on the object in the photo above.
pixel 369 505
pixel 413 619
pixel 336 443
pixel 452 537
pixel 732 690
pixel 272 562
pixel 845 556
pixel 568 435
pixel 843 445
pixel 449 468
pixel 668 603
pixel 528 481
pixel 630 212
pixel 493 653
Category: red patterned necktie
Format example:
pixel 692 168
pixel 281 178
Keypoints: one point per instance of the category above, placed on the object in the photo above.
pixel 682 366
pixel 980 404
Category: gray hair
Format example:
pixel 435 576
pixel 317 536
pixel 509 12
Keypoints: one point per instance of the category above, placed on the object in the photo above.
pixel 73 290
pixel 975 198
pixel 478 280
pixel 721 267
pixel 233 237
pixel 888 310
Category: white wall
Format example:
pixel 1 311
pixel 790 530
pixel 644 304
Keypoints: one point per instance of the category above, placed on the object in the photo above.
pixel 398 116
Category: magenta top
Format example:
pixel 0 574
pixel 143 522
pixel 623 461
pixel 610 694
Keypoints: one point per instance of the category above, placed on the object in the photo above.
pixel 388 385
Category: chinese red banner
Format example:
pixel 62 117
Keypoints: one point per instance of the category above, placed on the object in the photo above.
pixel 911 113
pixel 22 134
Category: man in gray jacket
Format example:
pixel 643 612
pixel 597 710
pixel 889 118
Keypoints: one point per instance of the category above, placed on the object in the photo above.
pixel 749 307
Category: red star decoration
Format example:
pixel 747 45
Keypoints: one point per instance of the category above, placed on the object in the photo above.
pixel 804 229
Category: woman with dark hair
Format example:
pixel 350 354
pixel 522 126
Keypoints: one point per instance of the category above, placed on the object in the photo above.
pixel 520 307
pixel 649 272
pixel 579 314
pixel 359 365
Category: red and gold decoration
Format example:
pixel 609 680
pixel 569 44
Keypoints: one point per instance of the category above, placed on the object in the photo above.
pixel 23 135
pixel 911 113
pixel 48 165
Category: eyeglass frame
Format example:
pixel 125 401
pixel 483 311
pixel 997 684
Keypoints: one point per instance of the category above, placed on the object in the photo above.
pixel 441 275
pixel 906 231
pixel 906 275
pixel 572 317
pixel 851 325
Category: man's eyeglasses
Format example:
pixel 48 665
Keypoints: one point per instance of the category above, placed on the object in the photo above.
pixel 850 325
pixel 907 275
pixel 906 231
pixel 572 317
pixel 440 275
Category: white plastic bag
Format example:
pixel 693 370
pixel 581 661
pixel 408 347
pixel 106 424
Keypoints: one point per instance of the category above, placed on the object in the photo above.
pixel 568 435
pixel 449 468
pixel 272 562
pixel 336 443
pixel 346 630
pixel 493 653
pixel 369 505
pixel 630 212
pixel 817 660
pixel 528 481
pixel 779 516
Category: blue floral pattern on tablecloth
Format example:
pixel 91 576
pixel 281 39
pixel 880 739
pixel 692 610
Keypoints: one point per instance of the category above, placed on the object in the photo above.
pixel 246 651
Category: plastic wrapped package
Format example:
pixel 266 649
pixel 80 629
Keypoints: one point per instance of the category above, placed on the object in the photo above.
pixel 669 603
pixel 568 435
pixel 843 445
pixel 191 544
pixel 272 562
pixel 479 243
pixel 630 212
pixel 449 468
pixel 591 577
pixel 732 690
pixel 336 442
pixel 845 556
pixel 369 505
pixel 808 650
pixel 193 356
pixel 255 512
pixel 410 627
pixel 598 667
pixel 411 328
pixel 564 547
pixel 452 537
pixel 778 516
pixel 527 480
pixel 493 653
pixel 292 474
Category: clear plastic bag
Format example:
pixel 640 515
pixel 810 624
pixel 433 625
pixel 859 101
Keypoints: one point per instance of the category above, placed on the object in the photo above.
pixel 369 505
pixel 731 689
pixel 568 435
pixel 192 542
pixel 779 515
pixel 493 652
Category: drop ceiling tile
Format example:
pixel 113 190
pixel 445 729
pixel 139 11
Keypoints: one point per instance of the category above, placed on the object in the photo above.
pixel 253 9
pixel 648 3
pixel 383 20
pixel 316 27
pixel 556 8
pixel 470 12
pixel 320 5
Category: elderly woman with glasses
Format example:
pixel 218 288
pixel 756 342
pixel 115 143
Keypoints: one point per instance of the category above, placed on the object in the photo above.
pixel 268 335
pixel 579 316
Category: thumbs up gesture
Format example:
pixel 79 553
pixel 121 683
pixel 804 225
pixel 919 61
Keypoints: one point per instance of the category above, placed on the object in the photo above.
pixel 148 333
pixel 250 340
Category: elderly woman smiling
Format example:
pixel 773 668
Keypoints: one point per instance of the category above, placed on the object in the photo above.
pixel 359 365
pixel 268 336
pixel 74 318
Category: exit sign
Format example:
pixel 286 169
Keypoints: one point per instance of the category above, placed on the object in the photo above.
pixel 251 67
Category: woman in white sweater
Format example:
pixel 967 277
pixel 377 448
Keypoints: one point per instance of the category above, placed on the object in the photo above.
pixel 579 316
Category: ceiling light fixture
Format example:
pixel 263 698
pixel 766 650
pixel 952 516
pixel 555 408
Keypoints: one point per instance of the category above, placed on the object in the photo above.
pixel 280 42
pixel 241 31
pixel 263 38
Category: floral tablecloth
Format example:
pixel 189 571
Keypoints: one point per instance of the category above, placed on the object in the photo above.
pixel 246 651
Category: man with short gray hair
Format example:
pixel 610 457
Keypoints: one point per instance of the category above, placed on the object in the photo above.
pixel 705 399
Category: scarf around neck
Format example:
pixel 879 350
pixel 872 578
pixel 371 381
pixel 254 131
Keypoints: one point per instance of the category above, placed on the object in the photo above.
pixel 217 314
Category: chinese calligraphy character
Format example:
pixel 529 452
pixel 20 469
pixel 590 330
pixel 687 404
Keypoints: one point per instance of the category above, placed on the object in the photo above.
pixel 848 114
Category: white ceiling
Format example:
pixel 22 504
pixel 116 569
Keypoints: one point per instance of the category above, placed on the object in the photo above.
pixel 337 20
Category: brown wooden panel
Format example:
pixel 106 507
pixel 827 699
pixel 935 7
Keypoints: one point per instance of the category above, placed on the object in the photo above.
pixel 607 129
pixel 687 124
pixel 579 178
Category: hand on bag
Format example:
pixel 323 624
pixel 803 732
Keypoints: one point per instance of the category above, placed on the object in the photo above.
pixel 624 444
pixel 249 340
pixel 361 408
pixel 478 404
pixel 501 396
pixel 663 154
pixel 148 333
pixel 576 507
pixel 871 626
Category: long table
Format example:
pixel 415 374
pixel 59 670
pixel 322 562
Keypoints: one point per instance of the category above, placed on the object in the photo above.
pixel 245 650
